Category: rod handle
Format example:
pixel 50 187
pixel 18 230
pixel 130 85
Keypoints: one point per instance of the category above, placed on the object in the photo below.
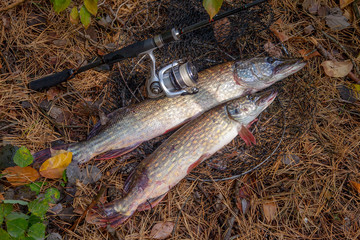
pixel 51 80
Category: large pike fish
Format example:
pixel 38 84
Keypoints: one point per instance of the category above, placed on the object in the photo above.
pixel 129 127
pixel 179 154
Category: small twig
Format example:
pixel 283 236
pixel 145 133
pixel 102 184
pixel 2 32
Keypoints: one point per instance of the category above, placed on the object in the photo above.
pixel 356 9
pixel 178 215
pixel 12 5
pixel 92 204
pixel 343 48
pixel 6 63
pixel 231 222
pixel 127 86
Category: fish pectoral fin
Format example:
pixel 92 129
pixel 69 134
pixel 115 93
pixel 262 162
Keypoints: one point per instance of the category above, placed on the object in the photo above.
pixel 252 122
pixel 247 136
pixel 149 204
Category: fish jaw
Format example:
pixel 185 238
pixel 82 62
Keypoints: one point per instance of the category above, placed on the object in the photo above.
pixel 246 109
pixel 259 73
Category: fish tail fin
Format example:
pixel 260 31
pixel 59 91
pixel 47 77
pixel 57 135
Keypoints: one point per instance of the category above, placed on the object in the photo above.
pixel 43 155
pixel 106 216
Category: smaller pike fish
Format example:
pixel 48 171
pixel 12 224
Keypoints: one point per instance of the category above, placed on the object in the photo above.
pixel 179 154
pixel 128 127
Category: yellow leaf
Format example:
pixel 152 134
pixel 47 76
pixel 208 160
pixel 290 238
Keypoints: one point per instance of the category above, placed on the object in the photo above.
pixel 337 69
pixel 55 166
pixel 18 176
pixel 270 211
pixel 344 3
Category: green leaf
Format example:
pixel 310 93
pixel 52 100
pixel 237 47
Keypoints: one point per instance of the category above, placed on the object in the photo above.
pixel 91 6
pixel 23 157
pixel 4 235
pixel 16 224
pixel 21 202
pixel 38 207
pixel 37 231
pixel 212 7
pixel 5 209
pixel 16 215
pixel 64 176
pixel 74 16
pixel 36 186
pixel 34 219
pixel 52 194
pixel 60 5
pixel 85 17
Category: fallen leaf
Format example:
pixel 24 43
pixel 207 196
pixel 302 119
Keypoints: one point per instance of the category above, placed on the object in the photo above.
pixel 336 21
pixel 270 211
pixel 1 197
pixel 309 29
pixel 74 16
pixel 243 196
pixel 305 54
pixel 314 7
pixel 344 3
pixel 55 166
pixel 85 17
pixel 272 49
pixel 280 35
pixel 52 93
pixel 212 7
pixel 290 159
pixel 323 11
pixel 18 176
pixel 349 93
pixel 162 230
pixel 355 185
pixel 91 6
pixel 337 69
pixel 60 42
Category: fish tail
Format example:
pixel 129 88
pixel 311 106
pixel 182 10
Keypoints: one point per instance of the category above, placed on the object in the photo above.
pixel 43 155
pixel 103 216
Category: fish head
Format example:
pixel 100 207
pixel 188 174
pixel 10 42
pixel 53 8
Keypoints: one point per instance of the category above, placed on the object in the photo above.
pixel 246 109
pixel 259 73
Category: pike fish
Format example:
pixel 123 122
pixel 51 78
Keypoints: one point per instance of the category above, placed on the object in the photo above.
pixel 129 127
pixel 179 154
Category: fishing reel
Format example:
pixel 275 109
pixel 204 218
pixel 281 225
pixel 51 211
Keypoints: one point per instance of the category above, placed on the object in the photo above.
pixel 177 78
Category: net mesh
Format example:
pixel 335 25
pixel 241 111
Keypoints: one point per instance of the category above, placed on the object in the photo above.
pixel 234 37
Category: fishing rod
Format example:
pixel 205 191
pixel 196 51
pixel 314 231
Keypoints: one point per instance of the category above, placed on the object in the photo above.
pixel 177 78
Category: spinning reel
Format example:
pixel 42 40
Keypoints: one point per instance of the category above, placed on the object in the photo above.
pixel 177 78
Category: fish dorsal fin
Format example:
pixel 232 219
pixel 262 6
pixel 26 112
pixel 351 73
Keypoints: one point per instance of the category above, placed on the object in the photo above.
pixel 247 136
pixel 98 127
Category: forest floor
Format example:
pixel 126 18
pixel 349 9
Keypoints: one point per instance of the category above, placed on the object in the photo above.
pixel 305 168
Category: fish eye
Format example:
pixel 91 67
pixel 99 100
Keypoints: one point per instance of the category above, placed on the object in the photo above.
pixel 270 59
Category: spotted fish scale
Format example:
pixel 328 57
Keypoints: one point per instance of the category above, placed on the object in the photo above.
pixel 178 155
pixel 128 127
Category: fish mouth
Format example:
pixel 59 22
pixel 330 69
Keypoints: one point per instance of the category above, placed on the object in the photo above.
pixel 289 66
pixel 266 98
